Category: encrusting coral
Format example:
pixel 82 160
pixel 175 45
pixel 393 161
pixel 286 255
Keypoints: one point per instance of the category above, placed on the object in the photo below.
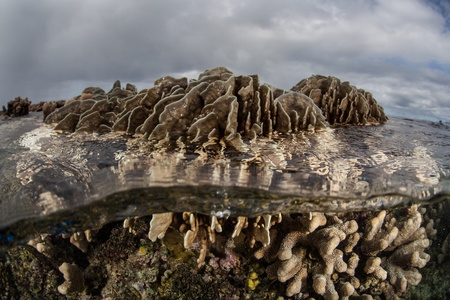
pixel 217 108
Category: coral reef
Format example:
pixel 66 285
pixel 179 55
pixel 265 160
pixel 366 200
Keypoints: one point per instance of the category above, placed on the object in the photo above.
pixel 17 107
pixel 340 102
pixel 218 108
pixel 324 246
pixel 189 255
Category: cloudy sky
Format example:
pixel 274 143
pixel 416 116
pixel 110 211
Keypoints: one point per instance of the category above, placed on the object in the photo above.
pixel 398 50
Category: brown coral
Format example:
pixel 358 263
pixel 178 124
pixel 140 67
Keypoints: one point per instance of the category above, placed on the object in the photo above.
pixel 334 240
pixel 217 106
pixel 406 238
pixel 340 102
pixel 17 107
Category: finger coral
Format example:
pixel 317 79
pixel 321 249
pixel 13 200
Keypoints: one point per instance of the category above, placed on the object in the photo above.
pixel 326 249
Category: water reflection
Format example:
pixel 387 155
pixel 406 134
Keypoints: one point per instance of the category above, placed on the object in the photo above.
pixel 332 169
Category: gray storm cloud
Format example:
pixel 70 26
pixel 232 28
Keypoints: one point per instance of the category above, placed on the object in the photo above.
pixel 396 49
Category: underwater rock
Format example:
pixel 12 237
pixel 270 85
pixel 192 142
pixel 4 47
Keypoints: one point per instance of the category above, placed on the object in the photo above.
pixel 340 102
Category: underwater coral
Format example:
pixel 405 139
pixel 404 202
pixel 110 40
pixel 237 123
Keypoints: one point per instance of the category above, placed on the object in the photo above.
pixel 353 255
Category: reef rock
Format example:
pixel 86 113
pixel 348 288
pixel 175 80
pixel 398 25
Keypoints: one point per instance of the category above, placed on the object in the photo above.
pixel 17 107
pixel 340 102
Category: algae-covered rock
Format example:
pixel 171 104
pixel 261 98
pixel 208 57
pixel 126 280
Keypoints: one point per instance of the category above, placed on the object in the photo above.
pixel 28 274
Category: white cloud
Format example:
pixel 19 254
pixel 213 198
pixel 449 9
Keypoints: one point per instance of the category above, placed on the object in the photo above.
pixel 395 49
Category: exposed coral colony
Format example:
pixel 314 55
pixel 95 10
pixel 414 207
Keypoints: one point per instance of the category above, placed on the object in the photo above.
pixel 185 255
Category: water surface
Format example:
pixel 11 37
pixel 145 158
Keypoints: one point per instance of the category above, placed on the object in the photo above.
pixel 55 182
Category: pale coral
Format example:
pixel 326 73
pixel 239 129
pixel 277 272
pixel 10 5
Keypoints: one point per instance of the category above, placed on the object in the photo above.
pixel 377 238
pixel 80 241
pixel 74 279
pixel 159 225
pixel 373 267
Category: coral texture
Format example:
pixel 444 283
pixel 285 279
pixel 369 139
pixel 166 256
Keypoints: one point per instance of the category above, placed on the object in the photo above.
pixel 326 248
pixel 217 108
pixel 303 256
pixel 340 102
pixel 17 107
pixel 74 279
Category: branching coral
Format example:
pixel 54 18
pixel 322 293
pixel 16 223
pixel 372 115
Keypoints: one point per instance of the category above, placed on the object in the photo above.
pixel 400 245
pixel 406 238
pixel 331 255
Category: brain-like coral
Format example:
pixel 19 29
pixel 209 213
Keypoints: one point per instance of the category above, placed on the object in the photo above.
pixel 218 107
pixel 340 102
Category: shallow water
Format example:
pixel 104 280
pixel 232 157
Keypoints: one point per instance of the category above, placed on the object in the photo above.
pixel 53 182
